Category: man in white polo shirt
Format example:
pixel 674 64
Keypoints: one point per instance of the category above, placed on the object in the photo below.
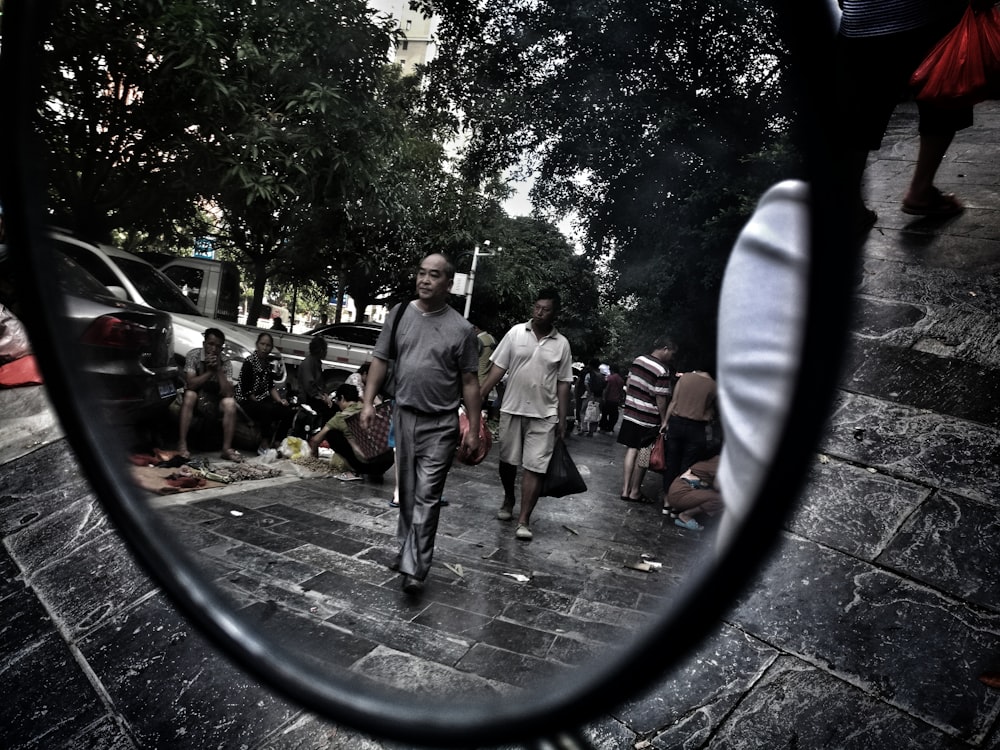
pixel 539 367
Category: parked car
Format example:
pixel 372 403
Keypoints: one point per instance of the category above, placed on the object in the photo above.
pixel 214 287
pixel 127 348
pixel 353 333
pixel 131 278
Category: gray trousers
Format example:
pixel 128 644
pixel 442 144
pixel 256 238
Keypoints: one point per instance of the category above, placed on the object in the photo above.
pixel 425 448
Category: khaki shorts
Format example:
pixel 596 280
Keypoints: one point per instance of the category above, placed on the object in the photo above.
pixel 527 441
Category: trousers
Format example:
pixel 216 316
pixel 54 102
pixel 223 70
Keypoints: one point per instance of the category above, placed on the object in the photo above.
pixel 425 448
pixel 687 442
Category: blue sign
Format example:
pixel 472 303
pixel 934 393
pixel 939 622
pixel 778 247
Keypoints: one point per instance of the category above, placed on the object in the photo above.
pixel 204 247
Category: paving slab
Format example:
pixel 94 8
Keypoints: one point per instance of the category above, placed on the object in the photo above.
pixel 916 444
pixel 851 625
pixel 852 508
pixel 165 682
pixel 795 705
pixel 951 543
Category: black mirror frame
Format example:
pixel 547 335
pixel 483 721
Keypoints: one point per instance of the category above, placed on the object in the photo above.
pixel 598 688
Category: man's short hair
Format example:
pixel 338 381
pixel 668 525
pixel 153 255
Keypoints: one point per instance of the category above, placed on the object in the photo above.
pixel 317 345
pixel 217 333
pixel 346 391
pixel 664 342
pixel 550 294
pixel 449 267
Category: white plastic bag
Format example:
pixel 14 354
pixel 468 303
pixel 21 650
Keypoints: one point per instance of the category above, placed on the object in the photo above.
pixel 293 447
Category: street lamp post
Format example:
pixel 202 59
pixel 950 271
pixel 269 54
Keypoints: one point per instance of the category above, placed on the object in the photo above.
pixel 476 255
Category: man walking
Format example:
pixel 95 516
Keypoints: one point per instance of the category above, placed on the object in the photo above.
pixel 647 394
pixel 436 358
pixel 539 367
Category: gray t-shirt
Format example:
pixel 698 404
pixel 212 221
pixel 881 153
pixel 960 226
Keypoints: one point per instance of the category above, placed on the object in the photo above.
pixel 433 352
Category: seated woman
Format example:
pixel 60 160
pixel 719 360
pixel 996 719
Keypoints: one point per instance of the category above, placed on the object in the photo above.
pixel 259 399
pixel 340 437
pixel 694 493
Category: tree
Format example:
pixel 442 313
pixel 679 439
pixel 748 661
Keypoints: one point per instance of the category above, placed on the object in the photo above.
pixel 114 116
pixel 530 254
pixel 256 109
pixel 297 115
pixel 657 124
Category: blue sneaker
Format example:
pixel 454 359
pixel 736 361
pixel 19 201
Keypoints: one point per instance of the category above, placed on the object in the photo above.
pixel 691 525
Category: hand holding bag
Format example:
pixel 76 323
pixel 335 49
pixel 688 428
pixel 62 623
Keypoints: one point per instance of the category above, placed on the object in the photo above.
pixel 562 477
pixel 658 454
pixel 485 440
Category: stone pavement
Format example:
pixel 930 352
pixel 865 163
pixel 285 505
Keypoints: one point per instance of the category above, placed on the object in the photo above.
pixel 867 628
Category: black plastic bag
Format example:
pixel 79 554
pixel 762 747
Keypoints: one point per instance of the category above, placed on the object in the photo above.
pixel 562 477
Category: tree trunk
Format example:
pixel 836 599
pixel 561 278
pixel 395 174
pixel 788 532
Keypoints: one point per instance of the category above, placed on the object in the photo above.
pixel 259 282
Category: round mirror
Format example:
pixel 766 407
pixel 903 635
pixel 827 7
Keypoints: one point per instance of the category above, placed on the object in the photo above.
pixel 287 146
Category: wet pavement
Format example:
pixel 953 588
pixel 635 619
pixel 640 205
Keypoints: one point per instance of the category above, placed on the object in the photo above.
pixel 868 627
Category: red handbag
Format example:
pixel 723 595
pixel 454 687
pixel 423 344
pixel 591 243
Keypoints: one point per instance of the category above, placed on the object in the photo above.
pixel 964 67
pixel 658 456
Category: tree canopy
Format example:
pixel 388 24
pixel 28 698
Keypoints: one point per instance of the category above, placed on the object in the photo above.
pixel 656 124
pixel 278 127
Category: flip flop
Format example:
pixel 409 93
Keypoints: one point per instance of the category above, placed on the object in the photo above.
pixel 232 455
pixel 942 206
pixel 348 477
pixel 641 499
pixel 691 525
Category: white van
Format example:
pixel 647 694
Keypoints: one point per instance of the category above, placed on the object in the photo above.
pixel 132 278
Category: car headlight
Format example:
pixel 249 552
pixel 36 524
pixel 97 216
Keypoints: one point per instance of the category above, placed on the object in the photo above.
pixel 237 355
pixel 235 351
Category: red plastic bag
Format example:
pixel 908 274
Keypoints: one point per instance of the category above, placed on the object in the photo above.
pixel 658 456
pixel 964 67
pixel 23 371
pixel 485 440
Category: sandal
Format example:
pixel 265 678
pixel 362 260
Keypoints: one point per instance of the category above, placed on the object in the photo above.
pixel 347 476
pixel 641 499
pixel 941 206
pixel 232 455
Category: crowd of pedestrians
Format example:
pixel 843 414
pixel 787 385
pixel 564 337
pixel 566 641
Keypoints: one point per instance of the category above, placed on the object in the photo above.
pixel 439 362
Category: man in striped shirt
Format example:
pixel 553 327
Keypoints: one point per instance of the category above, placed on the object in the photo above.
pixel 647 393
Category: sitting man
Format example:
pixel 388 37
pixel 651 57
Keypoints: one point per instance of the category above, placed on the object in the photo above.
pixel 311 386
pixel 207 386
pixel 693 493
pixel 338 433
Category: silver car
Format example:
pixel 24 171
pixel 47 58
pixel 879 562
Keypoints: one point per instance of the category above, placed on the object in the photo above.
pixel 132 278
pixel 125 348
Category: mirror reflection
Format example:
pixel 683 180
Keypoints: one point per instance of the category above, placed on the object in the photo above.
pixel 245 197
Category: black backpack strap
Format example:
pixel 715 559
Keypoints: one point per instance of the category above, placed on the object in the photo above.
pixel 393 351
